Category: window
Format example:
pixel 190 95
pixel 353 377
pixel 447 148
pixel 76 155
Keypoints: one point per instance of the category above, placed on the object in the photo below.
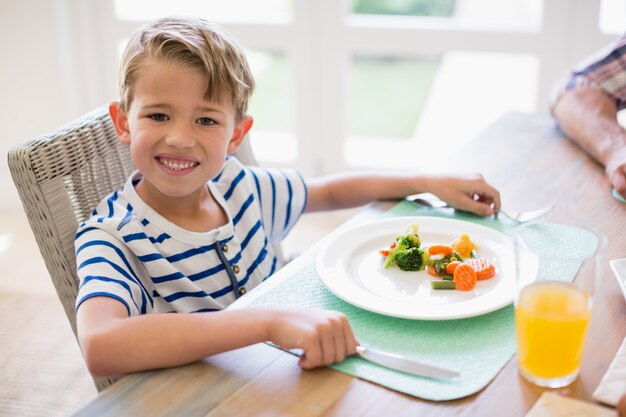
pixel 345 84
pixel 490 14
pixel 272 107
pixel 462 94
pixel 387 95
pixel 613 16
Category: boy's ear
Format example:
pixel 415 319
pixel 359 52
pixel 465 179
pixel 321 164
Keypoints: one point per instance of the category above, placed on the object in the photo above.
pixel 120 122
pixel 239 133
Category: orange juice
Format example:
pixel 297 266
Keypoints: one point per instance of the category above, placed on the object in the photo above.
pixel 551 320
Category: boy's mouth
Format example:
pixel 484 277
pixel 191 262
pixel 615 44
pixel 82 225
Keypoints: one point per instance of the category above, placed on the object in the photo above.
pixel 177 164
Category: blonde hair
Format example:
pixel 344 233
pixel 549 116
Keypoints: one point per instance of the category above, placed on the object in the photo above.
pixel 198 44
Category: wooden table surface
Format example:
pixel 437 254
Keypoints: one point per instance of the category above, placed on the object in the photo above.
pixel 527 158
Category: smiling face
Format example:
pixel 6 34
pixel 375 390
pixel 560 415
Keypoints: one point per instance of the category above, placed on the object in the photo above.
pixel 178 139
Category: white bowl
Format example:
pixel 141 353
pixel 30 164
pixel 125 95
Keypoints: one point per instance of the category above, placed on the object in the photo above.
pixel 618 266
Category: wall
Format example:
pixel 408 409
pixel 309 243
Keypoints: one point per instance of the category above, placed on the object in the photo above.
pixel 34 82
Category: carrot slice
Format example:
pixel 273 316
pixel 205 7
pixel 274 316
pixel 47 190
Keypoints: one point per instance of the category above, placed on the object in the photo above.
pixel 464 277
pixel 483 268
pixel 444 250
pixel 452 266
pixel 432 271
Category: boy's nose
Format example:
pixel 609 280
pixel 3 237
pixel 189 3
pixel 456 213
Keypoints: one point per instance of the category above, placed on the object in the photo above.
pixel 180 137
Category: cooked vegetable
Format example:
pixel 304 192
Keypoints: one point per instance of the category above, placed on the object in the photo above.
pixel 431 270
pixel 483 268
pixel 440 267
pixel 464 277
pixel 385 252
pixel 452 266
pixel 463 245
pixel 442 285
pixel 408 240
pixel 412 259
pixel 440 261
pixel 458 265
pixel 444 250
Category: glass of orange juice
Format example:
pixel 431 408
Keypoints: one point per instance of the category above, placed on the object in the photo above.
pixel 557 267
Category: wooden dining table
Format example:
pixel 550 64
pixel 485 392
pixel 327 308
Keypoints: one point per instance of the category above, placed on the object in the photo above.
pixel 532 164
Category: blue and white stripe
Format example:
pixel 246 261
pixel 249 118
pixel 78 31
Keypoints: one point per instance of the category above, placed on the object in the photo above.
pixel 128 252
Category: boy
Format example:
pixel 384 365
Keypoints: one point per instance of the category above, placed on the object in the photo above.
pixel 191 229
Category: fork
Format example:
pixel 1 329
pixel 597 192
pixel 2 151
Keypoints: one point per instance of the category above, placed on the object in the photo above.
pixel 526 216
pixel 516 216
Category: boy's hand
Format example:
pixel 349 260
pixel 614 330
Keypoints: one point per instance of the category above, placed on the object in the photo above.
pixel 470 193
pixel 324 336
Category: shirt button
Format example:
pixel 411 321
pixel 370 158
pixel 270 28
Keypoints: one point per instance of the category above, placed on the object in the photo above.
pixel 236 269
pixel 242 290
pixel 224 248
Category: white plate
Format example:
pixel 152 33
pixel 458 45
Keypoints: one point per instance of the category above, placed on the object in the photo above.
pixel 619 270
pixel 350 266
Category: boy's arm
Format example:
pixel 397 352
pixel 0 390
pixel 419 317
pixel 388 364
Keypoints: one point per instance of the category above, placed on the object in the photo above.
pixel 114 344
pixel 471 193
pixel 588 116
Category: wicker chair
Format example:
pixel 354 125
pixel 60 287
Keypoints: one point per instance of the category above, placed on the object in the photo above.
pixel 60 178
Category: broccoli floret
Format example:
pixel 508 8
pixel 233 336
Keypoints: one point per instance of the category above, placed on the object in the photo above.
pixel 409 240
pixel 412 259
pixel 403 243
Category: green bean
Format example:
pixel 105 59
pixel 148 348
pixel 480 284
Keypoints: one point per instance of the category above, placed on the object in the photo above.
pixel 443 285
pixel 447 277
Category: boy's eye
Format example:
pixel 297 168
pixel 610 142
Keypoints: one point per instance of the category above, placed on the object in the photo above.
pixel 158 117
pixel 206 121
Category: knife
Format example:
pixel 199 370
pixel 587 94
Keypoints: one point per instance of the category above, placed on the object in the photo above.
pixel 403 364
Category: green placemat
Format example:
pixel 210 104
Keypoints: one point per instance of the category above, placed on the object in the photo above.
pixel 476 347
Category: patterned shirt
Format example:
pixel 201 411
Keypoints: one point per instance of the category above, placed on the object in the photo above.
pixel 606 70
pixel 127 251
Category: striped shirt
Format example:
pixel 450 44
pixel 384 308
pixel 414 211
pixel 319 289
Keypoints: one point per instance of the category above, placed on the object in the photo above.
pixel 606 70
pixel 127 251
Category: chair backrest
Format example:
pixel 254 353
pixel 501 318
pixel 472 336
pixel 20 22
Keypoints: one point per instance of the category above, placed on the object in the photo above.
pixel 60 178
